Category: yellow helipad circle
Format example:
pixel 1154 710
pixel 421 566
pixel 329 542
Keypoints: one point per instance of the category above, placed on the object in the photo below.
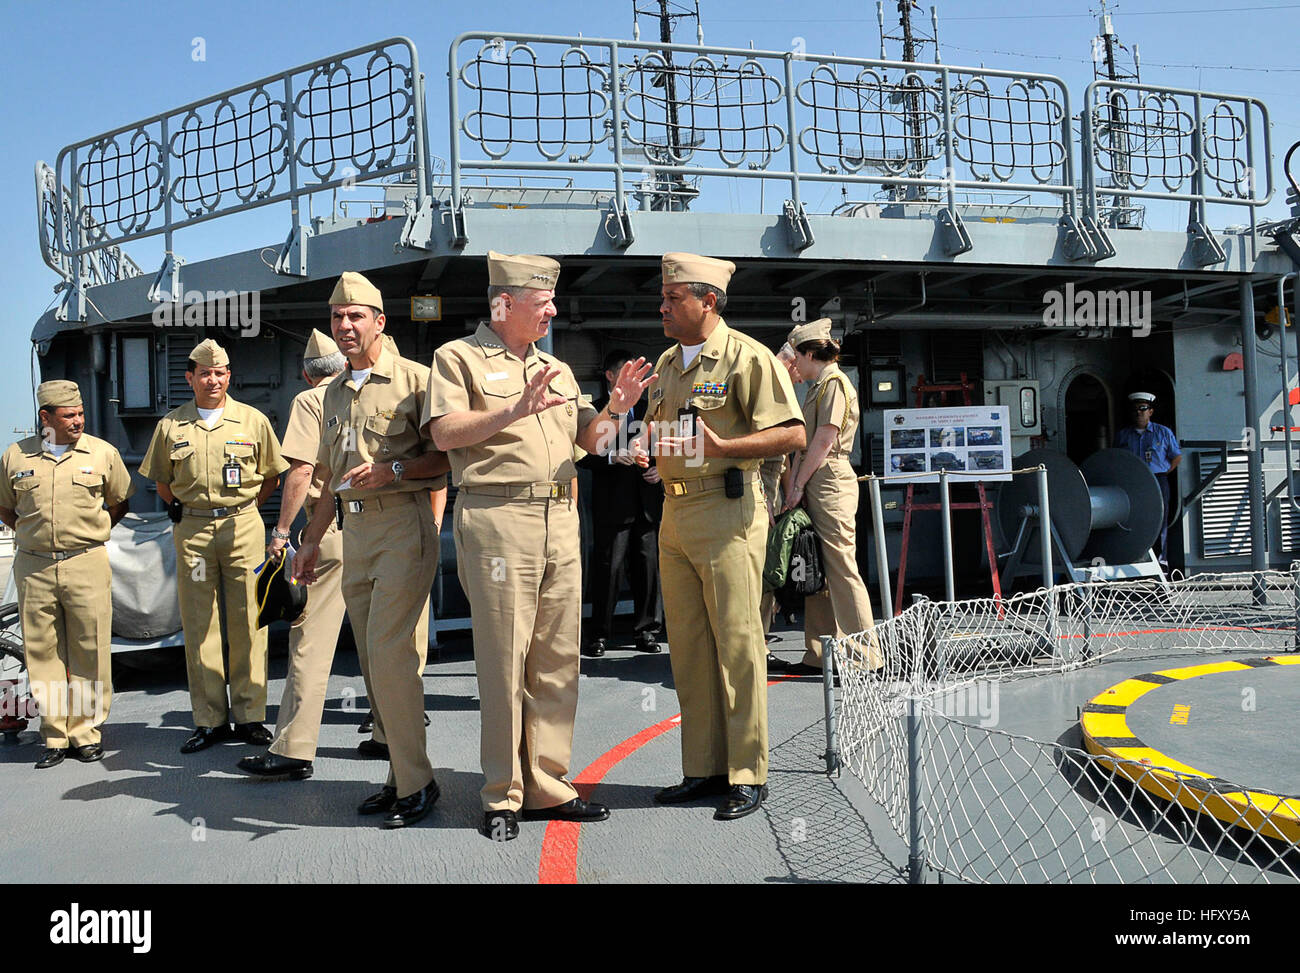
pixel 1106 733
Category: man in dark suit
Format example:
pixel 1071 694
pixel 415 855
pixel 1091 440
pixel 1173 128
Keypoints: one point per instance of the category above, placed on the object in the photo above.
pixel 626 506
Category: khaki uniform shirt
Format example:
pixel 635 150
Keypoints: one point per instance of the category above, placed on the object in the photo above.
pixel 479 374
pixel 831 401
pixel 60 501
pixel 737 387
pixel 302 438
pixel 376 423
pixel 189 457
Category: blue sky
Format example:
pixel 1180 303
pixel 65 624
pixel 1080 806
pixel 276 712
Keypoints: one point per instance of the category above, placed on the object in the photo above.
pixel 80 68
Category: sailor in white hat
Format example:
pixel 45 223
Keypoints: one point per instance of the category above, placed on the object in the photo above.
pixel 1155 445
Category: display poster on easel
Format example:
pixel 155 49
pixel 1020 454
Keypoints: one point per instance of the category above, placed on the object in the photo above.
pixel 961 439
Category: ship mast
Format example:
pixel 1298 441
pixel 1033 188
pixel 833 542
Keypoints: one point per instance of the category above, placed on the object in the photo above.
pixel 666 12
pixel 1106 65
pixel 914 127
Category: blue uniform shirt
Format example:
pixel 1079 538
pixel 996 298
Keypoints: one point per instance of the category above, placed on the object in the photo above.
pixel 1156 446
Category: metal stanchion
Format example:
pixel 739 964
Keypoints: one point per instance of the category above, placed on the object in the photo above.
pixel 945 505
pixel 915 849
pixel 882 553
pixel 832 755
pixel 1045 528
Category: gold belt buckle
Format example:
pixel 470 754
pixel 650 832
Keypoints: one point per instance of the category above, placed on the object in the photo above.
pixel 677 488
pixel 559 491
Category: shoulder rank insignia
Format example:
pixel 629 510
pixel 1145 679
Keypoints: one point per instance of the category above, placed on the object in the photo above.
pixel 331 422
pixel 657 394
pixel 709 388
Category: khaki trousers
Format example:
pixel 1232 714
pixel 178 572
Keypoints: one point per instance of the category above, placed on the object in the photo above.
pixel 711 551
pixel 390 555
pixel 217 556
pixel 313 637
pixel 843 607
pixel 520 565
pixel 67 618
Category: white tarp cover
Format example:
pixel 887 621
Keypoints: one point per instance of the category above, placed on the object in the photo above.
pixel 143 556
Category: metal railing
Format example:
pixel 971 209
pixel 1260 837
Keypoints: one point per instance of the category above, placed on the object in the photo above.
pixel 624 107
pixel 655 123
pixel 347 118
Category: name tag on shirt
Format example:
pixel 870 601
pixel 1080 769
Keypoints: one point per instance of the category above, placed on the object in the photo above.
pixel 183 442
pixel 496 376
pixel 24 474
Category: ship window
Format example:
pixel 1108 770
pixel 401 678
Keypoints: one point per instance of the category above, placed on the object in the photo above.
pixel 135 374
pixel 887 385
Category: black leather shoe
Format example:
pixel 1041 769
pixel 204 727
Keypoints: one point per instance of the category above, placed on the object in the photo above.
pixel 777 664
pixel 648 642
pixel 88 753
pixel 499 825
pixel 254 733
pixel 204 737
pixel 52 757
pixel 368 724
pixel 373 750
pixel 273 765
pixel 742 799
pixel 595 648
pixel 574 810
pixel 407 810
pixel 378 803
pixel 692 789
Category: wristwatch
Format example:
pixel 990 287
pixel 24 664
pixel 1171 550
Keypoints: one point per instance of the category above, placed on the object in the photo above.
pixel 279 535
pixel 398 469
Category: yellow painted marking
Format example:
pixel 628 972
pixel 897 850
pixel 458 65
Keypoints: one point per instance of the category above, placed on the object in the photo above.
pixel 1124 693
pixel 1106 725
pixel 1159 774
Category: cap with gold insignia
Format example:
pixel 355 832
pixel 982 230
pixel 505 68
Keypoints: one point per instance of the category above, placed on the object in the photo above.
pixel 522 270
pixel 691 268
pixel 209 354
pixel 319 345
pixel 1142 397
pixel 58 394
pixel 353 288
pixel 819 330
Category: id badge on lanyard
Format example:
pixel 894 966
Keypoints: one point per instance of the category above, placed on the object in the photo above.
pixel 232 474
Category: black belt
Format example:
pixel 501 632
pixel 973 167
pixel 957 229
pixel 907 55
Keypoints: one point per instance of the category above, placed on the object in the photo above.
pixel 61 555
pixel 216 511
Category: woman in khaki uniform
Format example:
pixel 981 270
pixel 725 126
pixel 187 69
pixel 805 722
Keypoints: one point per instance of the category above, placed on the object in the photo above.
pixel 822 478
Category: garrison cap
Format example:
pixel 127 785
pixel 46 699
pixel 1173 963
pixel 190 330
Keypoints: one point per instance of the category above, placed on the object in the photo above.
pixel 819 330
pixel 209 353
pixel 522 270
pixel 353 288
pixel 279 598
pixel 1142 397
pixel 58 394
pixel 691 268
pixel 319 345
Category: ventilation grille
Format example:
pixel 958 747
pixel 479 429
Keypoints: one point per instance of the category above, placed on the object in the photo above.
pixel 179 346
pixel 1225 511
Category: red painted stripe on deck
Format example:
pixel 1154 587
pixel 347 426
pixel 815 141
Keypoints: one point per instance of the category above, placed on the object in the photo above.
pixel 559 861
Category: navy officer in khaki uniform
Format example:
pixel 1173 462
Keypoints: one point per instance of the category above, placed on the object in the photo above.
pixel 381 469
pixel 215 461
pixel 53 492
pixel 509 416
pixel 727 404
